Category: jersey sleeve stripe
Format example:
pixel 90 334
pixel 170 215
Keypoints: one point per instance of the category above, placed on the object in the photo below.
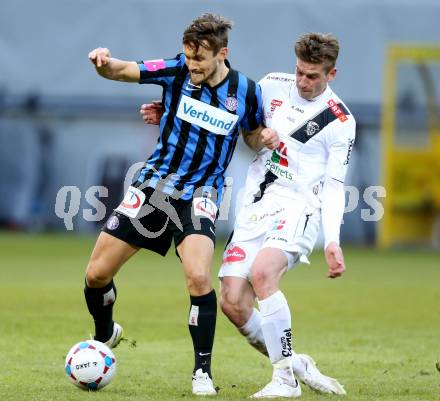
pixel 320 121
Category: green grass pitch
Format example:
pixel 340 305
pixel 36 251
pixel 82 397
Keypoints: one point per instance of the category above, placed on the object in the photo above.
pixel 377 329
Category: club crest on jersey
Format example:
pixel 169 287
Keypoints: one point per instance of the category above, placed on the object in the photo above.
pixel 231 103
pixel 312 128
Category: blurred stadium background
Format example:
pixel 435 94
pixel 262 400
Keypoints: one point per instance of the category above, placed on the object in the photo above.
pixel 62 125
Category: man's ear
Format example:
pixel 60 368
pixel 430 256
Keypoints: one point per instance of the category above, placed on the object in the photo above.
pixel 223 53
pixel 332 74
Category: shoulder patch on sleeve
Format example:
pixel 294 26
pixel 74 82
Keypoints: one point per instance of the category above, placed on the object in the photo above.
pixel 337 111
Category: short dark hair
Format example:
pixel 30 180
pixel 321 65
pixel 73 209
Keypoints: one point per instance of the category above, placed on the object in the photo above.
pixel 317 48
pixel 209 31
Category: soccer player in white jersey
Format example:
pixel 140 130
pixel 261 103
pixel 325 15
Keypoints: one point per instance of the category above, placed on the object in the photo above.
pixel 288 192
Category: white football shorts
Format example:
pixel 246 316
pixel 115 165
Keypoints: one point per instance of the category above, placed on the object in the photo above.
pixel 291 225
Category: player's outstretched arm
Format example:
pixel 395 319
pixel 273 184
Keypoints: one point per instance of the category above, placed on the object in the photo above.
pixel 261 137
pixel 335 260
pixel 113 68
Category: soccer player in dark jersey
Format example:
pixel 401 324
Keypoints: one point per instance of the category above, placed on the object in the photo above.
pixel 278 222
pixel 180 187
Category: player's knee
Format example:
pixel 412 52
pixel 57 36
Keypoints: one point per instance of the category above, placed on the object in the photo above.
pixel 95 276
pixel 260 278
pixel 199 281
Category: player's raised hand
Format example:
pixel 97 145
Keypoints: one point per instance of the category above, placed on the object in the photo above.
pixel 270 138
pixel 151 113
pixel 100 56
pixel 335 260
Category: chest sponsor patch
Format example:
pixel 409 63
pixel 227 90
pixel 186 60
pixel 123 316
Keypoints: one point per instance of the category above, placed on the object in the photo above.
pixel 211 118
pixel 132 202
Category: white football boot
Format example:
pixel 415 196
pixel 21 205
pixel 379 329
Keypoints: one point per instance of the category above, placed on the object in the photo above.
pixel 278 388
pixel 202 384
pixel 312 377
pixel 116 337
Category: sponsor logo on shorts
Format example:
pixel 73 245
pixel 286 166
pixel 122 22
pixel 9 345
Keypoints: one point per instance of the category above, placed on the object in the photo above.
pixel 275 238
pixel 279 224
pixel 132 202
pixel 231 103
pixel 113 223
pixel 255 218
pixel 234 254
pixel 205 207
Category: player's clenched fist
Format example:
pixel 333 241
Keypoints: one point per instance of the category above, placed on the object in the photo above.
pixel 100 56
pixel 270 138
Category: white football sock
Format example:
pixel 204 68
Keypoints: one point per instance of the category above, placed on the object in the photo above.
pixel 276 326
pixel 253 332
pixel 254 335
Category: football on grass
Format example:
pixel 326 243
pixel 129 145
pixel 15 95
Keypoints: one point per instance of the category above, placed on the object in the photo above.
pixel 90 365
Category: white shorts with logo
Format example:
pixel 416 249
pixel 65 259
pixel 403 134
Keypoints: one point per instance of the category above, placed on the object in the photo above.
pixel 291 225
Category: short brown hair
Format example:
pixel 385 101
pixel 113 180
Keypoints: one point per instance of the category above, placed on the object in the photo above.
pixel 209 31
pixel 317 48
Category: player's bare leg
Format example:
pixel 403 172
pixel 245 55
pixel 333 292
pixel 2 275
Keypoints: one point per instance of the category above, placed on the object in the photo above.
pixel 196 252
pixel 109 254
pixel 237 299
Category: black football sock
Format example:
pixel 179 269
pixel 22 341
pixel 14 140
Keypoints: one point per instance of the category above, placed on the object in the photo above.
pixel 201 323
pixel 100 304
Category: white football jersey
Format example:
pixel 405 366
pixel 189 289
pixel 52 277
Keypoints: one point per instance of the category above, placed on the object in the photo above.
pixel 316 136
